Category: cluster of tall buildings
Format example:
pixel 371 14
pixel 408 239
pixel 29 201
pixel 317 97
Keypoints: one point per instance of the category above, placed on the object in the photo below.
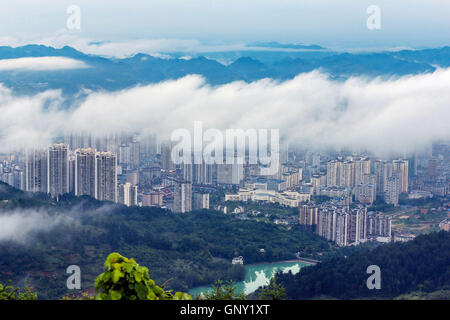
pixel 85 172
pixel 12 175
pixel 379 226
pixel 391 179
pixel 186 200
pixel 112 168
pixel 137 170
pixel 344 225
pixel 103 167
pixel 347 173
pixel 364 179
pixel 341 224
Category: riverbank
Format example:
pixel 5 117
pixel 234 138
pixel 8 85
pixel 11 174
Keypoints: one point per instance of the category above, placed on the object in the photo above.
pixel 259 274
pixel 304 260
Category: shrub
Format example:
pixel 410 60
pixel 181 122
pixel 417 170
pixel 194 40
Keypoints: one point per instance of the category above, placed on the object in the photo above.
pixel 8 292
pixel 124 279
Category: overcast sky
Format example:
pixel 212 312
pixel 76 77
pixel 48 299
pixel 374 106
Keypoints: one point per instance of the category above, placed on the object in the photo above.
pixel 402 114
pixel 332 23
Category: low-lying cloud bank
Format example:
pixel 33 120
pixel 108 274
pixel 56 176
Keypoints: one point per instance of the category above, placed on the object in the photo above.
pixel 402 115
pixel 20 225
pixel 41 64
pixel 158 47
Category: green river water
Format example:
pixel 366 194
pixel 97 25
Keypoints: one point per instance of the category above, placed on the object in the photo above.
pixel 258 275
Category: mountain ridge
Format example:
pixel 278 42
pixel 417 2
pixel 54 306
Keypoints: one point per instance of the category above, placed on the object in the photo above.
pixel 142 69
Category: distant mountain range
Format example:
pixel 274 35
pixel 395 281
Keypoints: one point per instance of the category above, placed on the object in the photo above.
pixel 115 74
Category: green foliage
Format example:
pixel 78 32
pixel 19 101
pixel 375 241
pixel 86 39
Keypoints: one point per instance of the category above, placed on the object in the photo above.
pixel 8 292
pixel 274 291
pixel 82 296
pixel 320 199
pixel 436 201
pixel 223 291
pixel 418 265
pixel 381 205
pixel 443 294
pixel 124 279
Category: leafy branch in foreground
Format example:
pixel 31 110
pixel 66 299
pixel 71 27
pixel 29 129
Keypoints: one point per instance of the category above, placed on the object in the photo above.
pixel 124 279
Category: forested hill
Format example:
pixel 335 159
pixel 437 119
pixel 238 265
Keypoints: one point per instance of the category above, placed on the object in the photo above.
pixel 40 238
pixel 421 265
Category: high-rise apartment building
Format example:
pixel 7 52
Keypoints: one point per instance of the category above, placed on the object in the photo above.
pixel 319 180
pixel 379 225
pixel 182 201
pixel 200 201
pixel 337 223
pixel 72 173
pixel 135 153
pixel 392 189
pixel 357 230
pixel 36 171
pixel 335 173
pixel 365 193
pixel 166 157
pixel 128 194
pixel 349 174
pixel 230 173
pixel 432 167
pixel 326 223
pixel 152 198
pixel 58 169
pixel 85 172
pixel 106 163
pixel 308 215
pixel 382 170
pixel 362 167
pixel 401 167
pixel 198 173
pixel 341 232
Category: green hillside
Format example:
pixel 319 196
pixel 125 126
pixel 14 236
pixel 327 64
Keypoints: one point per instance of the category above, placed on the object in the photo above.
pixel 417 269
pixel 186 249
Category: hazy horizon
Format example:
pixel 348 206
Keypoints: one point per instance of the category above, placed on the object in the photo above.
pixel 200 26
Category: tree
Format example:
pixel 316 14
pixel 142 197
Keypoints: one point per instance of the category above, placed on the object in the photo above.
pixel 8 292
pixel 223 291
pixel 124 279
pixel 274 291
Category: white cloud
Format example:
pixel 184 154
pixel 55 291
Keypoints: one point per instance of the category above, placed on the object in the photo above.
pixel 41 64
pixel 121 48
pixel 157 47
pixel 19 225
pixel 402 114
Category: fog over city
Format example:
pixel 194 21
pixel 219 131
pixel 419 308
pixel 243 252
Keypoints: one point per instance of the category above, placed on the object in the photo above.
pixel 380 115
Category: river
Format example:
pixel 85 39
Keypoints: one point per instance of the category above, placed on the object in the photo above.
pixel 258 275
